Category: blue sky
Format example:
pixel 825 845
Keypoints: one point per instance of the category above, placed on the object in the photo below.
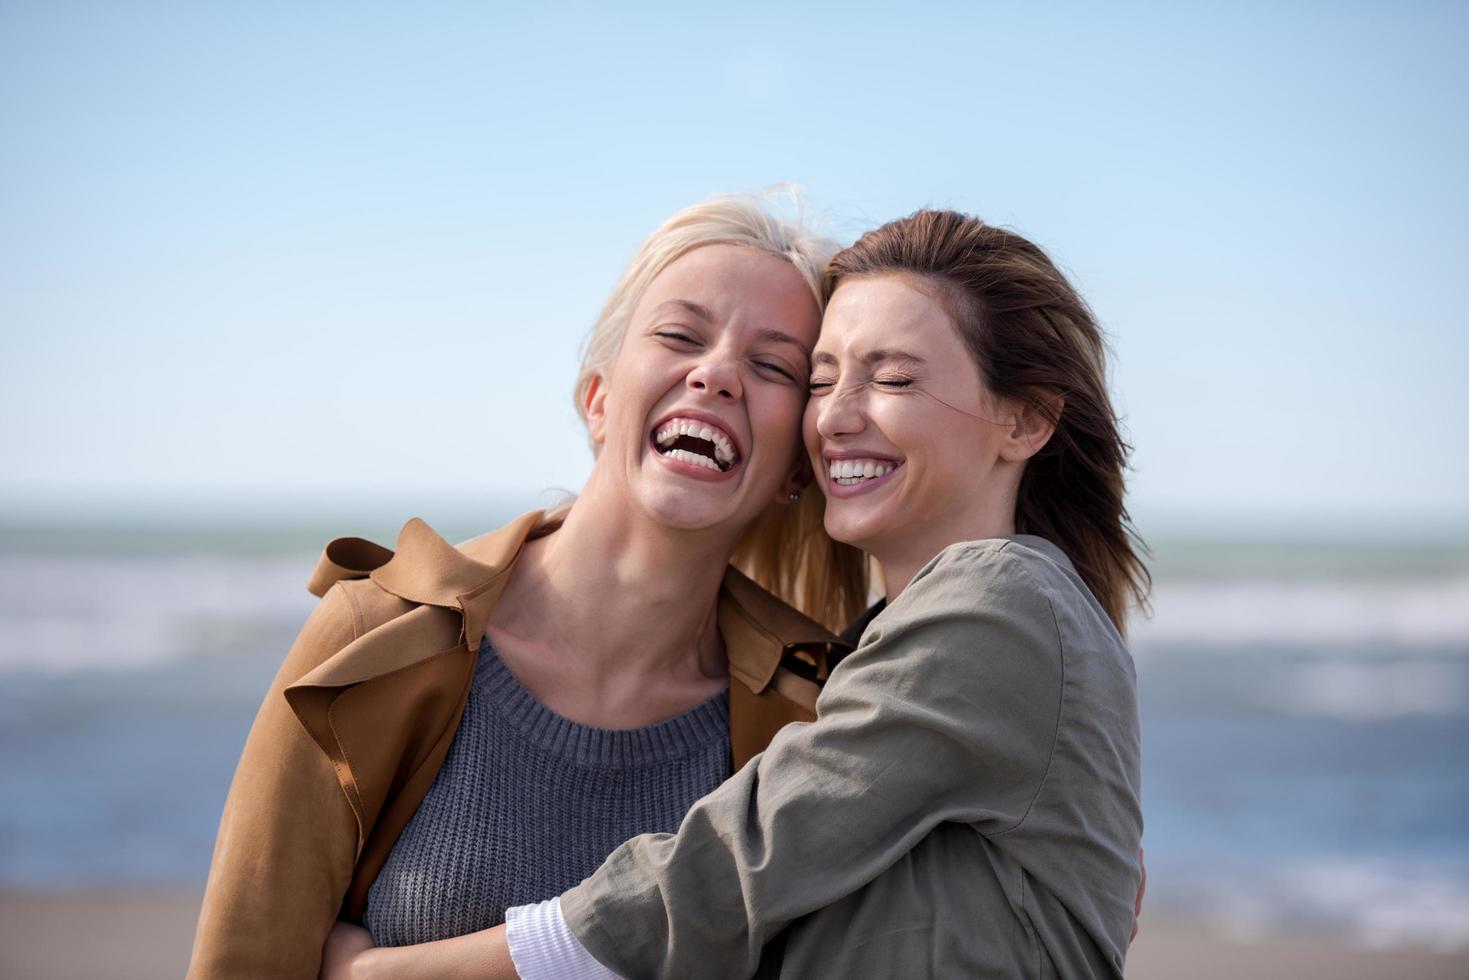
pixel 288 251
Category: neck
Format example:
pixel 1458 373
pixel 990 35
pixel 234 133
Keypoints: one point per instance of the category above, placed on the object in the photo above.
pixel 627 594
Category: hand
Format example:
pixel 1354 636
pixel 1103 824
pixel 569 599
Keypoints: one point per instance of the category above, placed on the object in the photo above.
pixel 1142 886
pixel 350 955
pixel 346 947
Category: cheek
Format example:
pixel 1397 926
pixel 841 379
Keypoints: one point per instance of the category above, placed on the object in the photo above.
pixel 780 417
pixel 958 454
pixel 638 387
pixel 808 428
pixel 922 435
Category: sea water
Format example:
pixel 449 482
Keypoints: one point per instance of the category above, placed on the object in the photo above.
pixel 1305 719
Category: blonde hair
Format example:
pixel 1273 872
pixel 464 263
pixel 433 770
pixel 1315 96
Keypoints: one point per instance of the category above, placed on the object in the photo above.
pixel 725 219
pixel 786 550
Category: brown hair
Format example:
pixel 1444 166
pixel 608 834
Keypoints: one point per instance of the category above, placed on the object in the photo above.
pixel 1034 338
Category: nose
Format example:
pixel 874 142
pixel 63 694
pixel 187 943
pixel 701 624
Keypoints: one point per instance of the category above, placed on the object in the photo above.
pixel 717 373
pixel 839 413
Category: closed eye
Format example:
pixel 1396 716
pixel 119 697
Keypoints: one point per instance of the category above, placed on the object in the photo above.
pixel 675 335
pixel 778 369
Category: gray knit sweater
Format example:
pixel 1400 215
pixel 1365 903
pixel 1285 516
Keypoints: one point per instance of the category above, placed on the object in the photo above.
pixel 529 803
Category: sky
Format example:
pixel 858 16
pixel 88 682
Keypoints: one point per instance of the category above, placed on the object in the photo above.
pixel 253 253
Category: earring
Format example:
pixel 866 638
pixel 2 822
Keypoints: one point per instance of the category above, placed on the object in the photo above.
pixel 795 495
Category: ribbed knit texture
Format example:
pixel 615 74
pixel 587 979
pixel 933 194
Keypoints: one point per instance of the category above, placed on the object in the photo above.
pixel 529 803
pixel 543 947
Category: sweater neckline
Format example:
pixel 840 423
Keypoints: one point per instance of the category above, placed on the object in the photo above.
pixel 661 742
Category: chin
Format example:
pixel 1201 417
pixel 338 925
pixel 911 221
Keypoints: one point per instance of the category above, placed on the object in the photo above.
pixel 684 512
pixel 859 527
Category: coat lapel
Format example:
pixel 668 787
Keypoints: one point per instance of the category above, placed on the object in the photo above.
pixel 384 708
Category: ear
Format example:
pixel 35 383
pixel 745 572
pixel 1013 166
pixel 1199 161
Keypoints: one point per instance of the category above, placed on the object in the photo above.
pixel 1034 424
pixel 796 481
pixel 594 403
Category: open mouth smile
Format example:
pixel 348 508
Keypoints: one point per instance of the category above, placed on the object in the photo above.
pixel 697 442
pixel 851 475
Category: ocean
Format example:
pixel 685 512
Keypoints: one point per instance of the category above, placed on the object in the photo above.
pixel 1305 717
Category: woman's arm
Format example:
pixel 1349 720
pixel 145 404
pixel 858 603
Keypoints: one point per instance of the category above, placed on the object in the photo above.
pixel 287 838
pixel 350 955
pixel 948 711
pixel 484 955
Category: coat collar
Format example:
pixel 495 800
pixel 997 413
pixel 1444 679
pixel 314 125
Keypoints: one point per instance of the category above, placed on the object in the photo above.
pixel 758 629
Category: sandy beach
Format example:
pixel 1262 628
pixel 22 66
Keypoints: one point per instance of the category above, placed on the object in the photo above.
pixel 146 936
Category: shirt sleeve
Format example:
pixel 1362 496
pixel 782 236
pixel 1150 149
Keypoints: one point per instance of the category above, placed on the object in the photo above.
pixel 947 711
pixel 543 948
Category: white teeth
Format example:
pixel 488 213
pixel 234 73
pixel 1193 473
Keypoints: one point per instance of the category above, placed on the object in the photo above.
pixel 849 472
pixel 724 450
pixel 687 457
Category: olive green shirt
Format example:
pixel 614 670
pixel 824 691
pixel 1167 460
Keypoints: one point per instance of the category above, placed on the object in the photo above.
pixel 966 804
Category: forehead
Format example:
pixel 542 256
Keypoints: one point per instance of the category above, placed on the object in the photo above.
pixel 736 284
pixel 889 313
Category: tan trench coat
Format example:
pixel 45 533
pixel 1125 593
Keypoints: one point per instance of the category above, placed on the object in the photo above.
pixel 359 719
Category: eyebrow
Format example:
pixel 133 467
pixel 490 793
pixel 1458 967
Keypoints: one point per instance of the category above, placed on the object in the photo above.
pixel 702 312
pixel 874 357
pixel 776 337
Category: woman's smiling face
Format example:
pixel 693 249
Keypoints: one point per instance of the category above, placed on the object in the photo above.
pixel 700 414
pixel 901 432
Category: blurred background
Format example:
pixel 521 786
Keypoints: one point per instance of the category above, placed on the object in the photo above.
pixel 253 257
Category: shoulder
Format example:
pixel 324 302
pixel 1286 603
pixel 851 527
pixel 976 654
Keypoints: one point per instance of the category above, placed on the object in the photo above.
pixel 368 604
pixel 347 611
pixel 977 606
pixel 973 635
pixel 1023 557
pixel 975 581
pixel 1023 574
pixel 349 595
pixel 363 586
pixel 1022 598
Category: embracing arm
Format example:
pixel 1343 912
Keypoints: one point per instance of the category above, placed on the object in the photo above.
pixel 948 711
pixel 287 839
pixel 350 955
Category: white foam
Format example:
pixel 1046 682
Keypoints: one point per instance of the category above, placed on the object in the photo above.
pixel 1367 691
pixel 62 615
pixel 1267 615
pixel 1378 904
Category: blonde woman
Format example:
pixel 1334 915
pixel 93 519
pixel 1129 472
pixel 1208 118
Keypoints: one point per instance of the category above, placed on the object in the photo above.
pixel 459 730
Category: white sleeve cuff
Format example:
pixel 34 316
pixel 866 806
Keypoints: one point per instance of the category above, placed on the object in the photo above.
pixel 542 946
